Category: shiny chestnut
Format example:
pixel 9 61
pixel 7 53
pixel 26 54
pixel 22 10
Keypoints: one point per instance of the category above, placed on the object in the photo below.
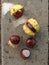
pixel 19 13
pixel 15 39
pixel 30 42
pixel 25 53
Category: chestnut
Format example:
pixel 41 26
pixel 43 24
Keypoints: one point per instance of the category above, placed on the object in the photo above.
pixel 18 14
pixel 30 42
pixel 25 53
pixel 14 40
pixel 31 27
pixel 17 10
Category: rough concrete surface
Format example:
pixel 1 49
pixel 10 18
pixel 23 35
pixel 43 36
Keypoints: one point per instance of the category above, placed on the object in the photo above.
pixel 39 54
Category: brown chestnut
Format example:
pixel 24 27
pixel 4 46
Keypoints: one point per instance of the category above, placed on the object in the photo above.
pixel 14 40
pixel 19 13
pixel 25 53
pixel 30 42
pixel 17 10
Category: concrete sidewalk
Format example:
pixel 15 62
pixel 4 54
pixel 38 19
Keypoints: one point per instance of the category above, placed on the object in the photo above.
pixel 39 54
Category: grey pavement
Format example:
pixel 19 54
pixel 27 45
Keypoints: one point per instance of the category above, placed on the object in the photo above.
pixel 37 9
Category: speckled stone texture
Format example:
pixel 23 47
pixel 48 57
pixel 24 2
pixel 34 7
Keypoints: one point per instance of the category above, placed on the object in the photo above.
pixel 39 54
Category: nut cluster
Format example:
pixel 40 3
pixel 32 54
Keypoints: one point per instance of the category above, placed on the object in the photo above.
pixel 31 27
